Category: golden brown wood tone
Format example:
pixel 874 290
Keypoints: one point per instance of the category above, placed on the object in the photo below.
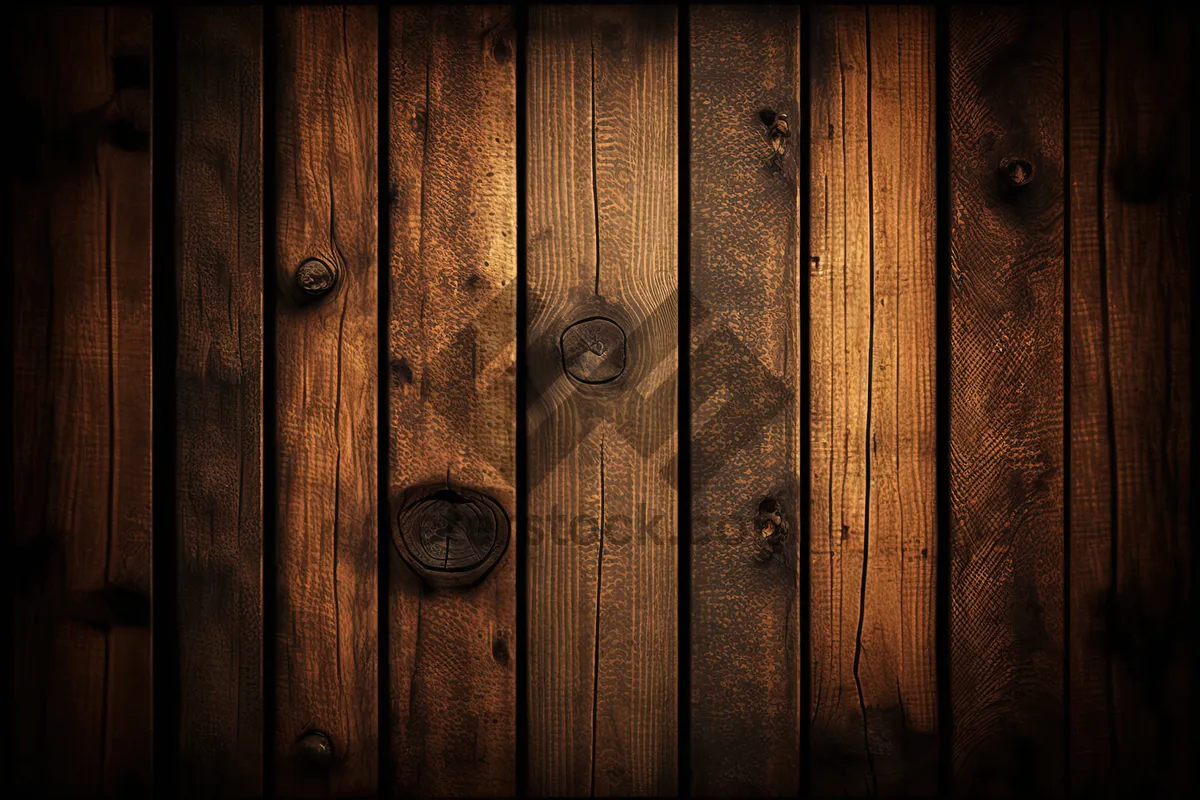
pixel 1006 431
pixel 218 217
pixel 326 628
pixel 81 423
pixel 745 399
pixel 872 291
pixel 602 243
pixel 1130 404
pixel 452 352
pixel 81 402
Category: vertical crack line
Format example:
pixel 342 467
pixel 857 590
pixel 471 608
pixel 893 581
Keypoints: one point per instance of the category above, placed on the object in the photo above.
pixel 337 491
pixel 596 639
pixel 862 597
pixel 1066 395
pixel 595 187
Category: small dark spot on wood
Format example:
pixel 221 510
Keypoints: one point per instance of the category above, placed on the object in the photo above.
pixel 772 527
pixel 845 532
pixel 501 51
pixel 500 652
pixel 1016 172
pixel 131 72
pixel 124 134
pixel 593 350
pixel 401 372
pixel 315 278
pixel 450 536
pixel 815 263
pixel 924 552
pixel 315 750
pixel 393 194
pixel 767 116
pixel 831 130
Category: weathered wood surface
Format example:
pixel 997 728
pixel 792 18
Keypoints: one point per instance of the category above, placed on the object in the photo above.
pixel 1006 394
pixel 326 371
pixel 219 279
pixel 602 243
pixel 872 291
pixel 745 399
pixel 81 564
pixel 1130 398
pixel 452 388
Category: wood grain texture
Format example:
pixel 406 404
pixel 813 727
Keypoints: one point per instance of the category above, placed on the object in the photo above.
pixel 602 242
pixel 218 216
pixel 81 402
pixel 326 629
pixel 452 384
pixel 1130 404
pixel 872 292
pixel 745 401
pixel 1006 429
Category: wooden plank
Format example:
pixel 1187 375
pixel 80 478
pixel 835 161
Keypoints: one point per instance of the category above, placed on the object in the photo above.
pixel 745 401
pixel 1006 406
pixel 326 329
pixel 81 402
pixel 452 353
pixel 872 293
pixel 218 217
pixel 1130 403
pixel 602 354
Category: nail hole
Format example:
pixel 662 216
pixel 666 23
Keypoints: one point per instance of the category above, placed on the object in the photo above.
pixel 767 116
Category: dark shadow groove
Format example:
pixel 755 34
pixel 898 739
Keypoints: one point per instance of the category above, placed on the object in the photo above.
pixel 684 423
pixel 1066 345
pixel 167 674
pixel 387 768
pixel 805 543
pixel 521 27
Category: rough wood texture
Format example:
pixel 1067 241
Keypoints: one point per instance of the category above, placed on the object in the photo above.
pixel 1130 404
pixel 745 402
pixel 81 401
pixel 1006 430
pixel 872 292
pixel 218 216
pixel 326 627
pixel 452 351
pixel 602 211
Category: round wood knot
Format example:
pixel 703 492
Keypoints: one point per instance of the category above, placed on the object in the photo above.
pixel 315 278
pixel 451 537
pixel 315 749
pixel 1016 172
pixel 772 528
pixel 593 350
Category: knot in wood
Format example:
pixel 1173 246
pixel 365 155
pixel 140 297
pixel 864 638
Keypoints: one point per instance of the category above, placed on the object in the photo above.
pixel 1016 172
pixel 315 278
pixel 772 528
pixel 315 749
pixel 593 350
pixel 451 537
pixel 779 134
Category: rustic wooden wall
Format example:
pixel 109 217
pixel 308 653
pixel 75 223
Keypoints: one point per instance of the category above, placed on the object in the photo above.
pixel 424 315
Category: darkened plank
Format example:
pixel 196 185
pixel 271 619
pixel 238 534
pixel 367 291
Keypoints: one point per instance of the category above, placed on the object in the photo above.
pixel 218 216
pixel 1131 404
pixel 745 403
pixel 451 350
pixel 872 290
pixel 81 401
pixel 602 354
pixel 326 329
pixel 1006 404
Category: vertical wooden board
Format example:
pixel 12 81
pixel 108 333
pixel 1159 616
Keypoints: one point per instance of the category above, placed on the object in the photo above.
pixel 81 401
pixel 602 353
pixel 218 216
pixel 872 291
pixel 1131 401
pixel 452 359
pixel 326 630
pixel 745 403
pixel 1006 405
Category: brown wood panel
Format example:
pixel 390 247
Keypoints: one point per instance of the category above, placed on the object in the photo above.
pixel 218 218
pixel 452 354
pixel 872 292
pixel 602 352
pixel 326 372
pixel 81 401
pixel 745 402
pixel 1006 405
pixel 1130 403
